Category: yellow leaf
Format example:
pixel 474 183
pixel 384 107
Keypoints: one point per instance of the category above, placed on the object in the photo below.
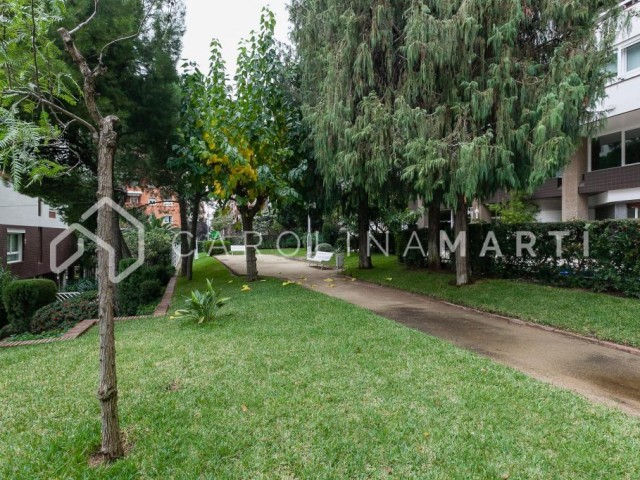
pixel 245 288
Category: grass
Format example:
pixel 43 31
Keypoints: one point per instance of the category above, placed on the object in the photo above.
pixel 290 383
pixel 598 315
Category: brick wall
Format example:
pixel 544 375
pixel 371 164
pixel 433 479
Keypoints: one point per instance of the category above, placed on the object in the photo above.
pixel 35 250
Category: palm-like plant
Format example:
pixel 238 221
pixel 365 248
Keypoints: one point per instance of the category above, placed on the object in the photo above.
pixel 201 306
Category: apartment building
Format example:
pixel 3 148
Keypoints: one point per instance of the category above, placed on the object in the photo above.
pixel 602 180
pixel 153 201
pixel 28 226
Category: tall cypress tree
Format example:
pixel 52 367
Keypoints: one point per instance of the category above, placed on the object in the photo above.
pixel 351 63
pixel 499 92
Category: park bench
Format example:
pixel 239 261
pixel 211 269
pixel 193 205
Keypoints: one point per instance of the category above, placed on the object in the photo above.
pixel 319 258
pixel 238 248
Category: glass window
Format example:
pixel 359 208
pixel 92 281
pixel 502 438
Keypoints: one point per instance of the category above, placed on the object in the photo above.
pixel 167 219
pixel 612 66
pixel 632 146
pixel 606 151
pixel 152 201
pixel 633 210
pixel 633 57
pixel 167 202
pixel 14 247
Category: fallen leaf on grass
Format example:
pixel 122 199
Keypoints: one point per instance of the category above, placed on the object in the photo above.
pixel 245 288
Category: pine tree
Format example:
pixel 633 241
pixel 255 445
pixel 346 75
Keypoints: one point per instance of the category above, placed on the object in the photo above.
pixel 499 92
pixel 352 66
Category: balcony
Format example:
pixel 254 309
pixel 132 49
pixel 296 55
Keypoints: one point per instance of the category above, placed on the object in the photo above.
pixel 617 178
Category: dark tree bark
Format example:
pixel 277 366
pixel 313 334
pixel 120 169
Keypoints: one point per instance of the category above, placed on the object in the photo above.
pixel 106 138
pixel 434 262
pixel 184 239
pixel 193 230
pixel 250 251
pixel 364 259
pixel 463 269
pixel 108 388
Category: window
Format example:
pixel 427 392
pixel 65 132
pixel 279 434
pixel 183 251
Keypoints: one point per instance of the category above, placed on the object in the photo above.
pixel 167 219
pixel 167 202
pixel 606 151
pixel 134 200
pixel 152 201
pixel 632 147
pixel 633 56
pixel 612 66
pixel 14 246
pixel 633 211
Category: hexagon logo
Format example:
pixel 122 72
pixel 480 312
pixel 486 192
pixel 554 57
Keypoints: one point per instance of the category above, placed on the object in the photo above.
pixel 102 203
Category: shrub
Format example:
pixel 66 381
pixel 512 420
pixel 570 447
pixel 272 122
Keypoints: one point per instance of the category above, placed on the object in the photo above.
pixel 201 306
pixel 5 279
pixel 149 290
pixel 22 298
pixel 157 245
pixel 66 313
pixel 324 247
pixel 131 292
pixel 215 247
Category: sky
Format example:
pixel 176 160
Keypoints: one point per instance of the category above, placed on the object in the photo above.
pixel 229 21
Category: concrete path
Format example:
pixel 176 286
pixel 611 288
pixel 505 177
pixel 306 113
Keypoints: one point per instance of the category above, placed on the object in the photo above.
pixel 598 372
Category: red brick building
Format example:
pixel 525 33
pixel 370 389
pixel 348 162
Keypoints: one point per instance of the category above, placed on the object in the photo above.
pixel 27 228
pixel 152 201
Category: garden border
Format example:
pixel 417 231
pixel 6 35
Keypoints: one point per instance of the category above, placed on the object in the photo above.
pixel 84 326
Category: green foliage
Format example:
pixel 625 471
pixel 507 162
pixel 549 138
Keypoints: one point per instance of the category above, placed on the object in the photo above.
pixel 22 298
pixel 82 285
pixel 64 314
pixel 6 277
pixel 158 243
pixel 515 210
pixel 201 307
pixel 142 287
pixel 324 247
pixel 613 263
pixel 216 247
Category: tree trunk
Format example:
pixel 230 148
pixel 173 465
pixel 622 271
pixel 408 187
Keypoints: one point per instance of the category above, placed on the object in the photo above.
pixel 463 270
pixel 108 387
pixel 193 244
pixel 122 249
pixel 184 239
pixel 364 259
pixel 433 233
pixel 250 252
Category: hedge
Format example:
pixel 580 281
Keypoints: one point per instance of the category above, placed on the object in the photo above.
pixel 142 287
pixel 612 263
pixel 22 298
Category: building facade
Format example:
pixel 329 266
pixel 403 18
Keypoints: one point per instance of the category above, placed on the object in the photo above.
pixel 152 201
pixel 602 180
pixel 27 228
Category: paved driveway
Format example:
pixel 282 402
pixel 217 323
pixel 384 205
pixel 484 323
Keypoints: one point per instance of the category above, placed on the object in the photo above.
pixel 598 372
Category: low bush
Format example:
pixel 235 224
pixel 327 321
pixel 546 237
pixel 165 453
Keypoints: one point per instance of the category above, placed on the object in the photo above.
pixel 5 279
pixel 324 247
pixel 22 298
pixel 142 287
pixel 66 313
pixel 215 247
pixel 201 307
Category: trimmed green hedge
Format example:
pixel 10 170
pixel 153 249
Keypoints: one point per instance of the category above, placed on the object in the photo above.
pixel 22 298
pixel 215 247
pixel 612 263
pixel 142 287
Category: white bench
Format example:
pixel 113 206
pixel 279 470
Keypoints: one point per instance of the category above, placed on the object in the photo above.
pixel 238 248
pixel 319 258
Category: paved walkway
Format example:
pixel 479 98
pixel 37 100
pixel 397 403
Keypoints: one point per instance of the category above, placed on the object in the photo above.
pixel 598 372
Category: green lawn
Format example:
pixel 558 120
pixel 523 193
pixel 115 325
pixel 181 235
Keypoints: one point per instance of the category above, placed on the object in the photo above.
pixel 599 315
pixel 293 384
